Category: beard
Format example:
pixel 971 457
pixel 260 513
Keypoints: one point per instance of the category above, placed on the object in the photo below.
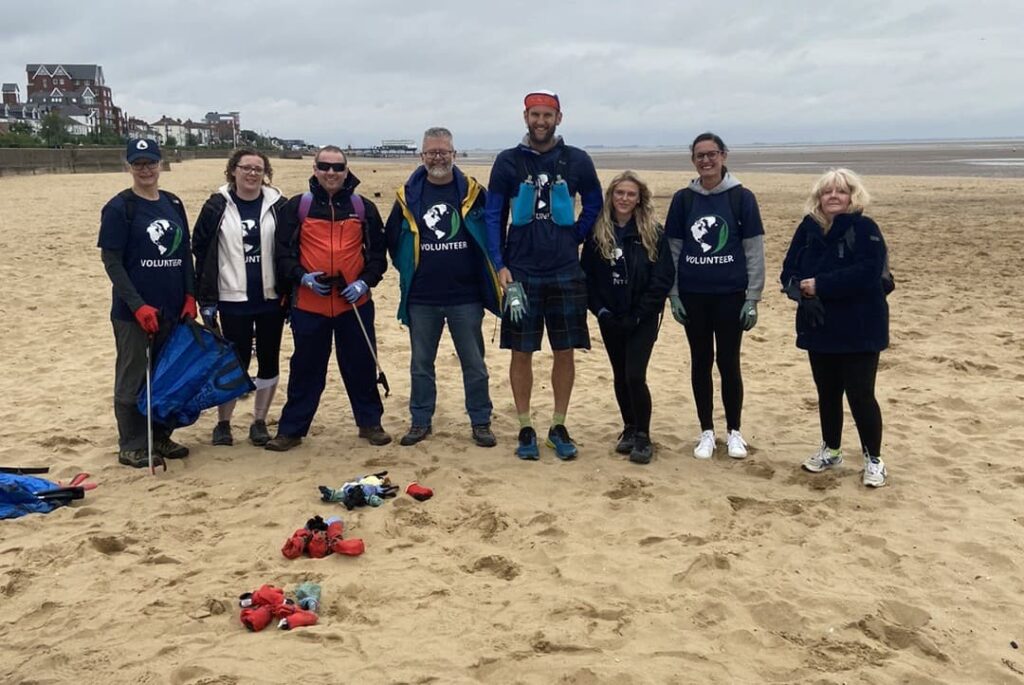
pixel 439 171
pixel 541 137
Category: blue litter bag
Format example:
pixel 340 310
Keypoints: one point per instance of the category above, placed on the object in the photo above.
pixel 18 496
pixel 195 369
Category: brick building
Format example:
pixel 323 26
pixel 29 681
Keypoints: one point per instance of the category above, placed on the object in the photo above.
pixel 79 85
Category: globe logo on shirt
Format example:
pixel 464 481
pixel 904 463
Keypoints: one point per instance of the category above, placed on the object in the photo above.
pixel 250 241
pixel 165 235
pixel 711 233
pixel 443 221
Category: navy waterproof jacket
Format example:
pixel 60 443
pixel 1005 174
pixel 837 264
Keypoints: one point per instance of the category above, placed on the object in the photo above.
pixel 848 279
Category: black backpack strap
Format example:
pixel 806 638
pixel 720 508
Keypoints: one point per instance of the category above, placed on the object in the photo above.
pixel 522 169
pixel 736 204
pixel 687 203
pixel 128 197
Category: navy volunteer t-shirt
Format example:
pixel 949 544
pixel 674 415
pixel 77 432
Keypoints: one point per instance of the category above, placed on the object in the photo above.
pixel 154 249
pixel 448 272
pixel 712 260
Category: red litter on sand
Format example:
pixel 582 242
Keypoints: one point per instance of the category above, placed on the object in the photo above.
pixel 419 492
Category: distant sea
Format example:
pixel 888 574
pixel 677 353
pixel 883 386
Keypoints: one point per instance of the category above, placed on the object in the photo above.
pixel 1003 158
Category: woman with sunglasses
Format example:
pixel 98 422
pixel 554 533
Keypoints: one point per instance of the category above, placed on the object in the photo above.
pixel 717 240
pixel 233 242
pixel 629 272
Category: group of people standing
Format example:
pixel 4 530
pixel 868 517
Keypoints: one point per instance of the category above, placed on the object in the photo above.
pixel 514 249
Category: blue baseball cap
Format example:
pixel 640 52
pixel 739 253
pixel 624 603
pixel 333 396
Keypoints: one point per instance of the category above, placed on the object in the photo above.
pixel 143 149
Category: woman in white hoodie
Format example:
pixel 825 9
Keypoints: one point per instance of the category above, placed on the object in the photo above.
pixel 233 242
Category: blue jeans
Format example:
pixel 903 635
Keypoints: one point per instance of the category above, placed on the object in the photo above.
pixel 425 325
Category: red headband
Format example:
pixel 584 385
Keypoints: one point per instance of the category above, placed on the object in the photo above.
pixel 542 100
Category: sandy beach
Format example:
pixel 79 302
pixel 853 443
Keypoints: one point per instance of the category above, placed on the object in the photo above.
pixel 589 572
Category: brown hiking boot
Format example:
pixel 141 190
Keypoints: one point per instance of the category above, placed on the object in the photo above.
pixel 375 435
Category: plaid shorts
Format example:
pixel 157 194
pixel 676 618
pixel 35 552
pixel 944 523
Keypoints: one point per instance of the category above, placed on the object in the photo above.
pixel 556 302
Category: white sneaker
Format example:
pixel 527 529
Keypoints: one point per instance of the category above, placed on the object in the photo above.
pixel 823 459
pixel 874 472
pixel 737 445
pixel 706 446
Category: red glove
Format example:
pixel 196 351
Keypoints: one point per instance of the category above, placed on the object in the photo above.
pixel 189 308
pixel 297 620
pixel 317 547
pixel 352 547
pixel 419 492
pixel 296 544
pixel 149 318
pixel 256 618
pixel 285 608
pixel 267 595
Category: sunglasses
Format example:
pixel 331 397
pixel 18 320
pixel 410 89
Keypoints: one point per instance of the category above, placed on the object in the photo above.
pixel 331 166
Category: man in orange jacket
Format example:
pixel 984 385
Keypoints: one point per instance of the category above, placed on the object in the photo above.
pixel 330 248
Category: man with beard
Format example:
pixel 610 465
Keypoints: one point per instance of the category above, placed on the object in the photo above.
pixel 438 243
pixel 538 260
pixel 144 244
pixel 330 249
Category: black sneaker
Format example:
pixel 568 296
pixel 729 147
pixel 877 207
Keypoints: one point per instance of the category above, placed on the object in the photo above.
pixel 375 435
pixel 283 443
pixel 414 435
pixel 258 434
pixel 168 449
pixel 642 450
pixel 137 459
pixel 483 435
pixel 626 438
pixel 222 434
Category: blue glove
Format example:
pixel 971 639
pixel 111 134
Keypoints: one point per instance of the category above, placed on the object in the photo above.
pixel 209 314
pixel 515 302
pixel 355 290
pixel 748 314
pixel 309 281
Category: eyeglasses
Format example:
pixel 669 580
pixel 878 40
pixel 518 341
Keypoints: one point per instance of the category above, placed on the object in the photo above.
pixel 147 164
pixel 331 166
pixel 710 156
pixel 438 154
pixel 246 169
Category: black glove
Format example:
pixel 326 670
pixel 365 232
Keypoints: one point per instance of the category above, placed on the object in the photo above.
pixel 813 310
pixel 792 290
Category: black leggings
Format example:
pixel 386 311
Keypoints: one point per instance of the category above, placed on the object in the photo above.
pixel 715 323
pixel 239 330
pixel 629 354
pixel 854 374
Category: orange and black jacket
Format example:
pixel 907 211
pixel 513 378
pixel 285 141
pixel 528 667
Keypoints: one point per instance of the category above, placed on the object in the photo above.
pixel 332 239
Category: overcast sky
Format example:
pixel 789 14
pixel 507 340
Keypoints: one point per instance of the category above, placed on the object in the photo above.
pixel 627 71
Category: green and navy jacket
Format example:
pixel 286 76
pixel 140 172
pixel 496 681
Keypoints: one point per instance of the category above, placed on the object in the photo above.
pixel 403 236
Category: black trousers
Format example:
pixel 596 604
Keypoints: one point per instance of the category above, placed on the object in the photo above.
pixel 629 354
pixel 715 334
pixel 239 329
pixel 852 374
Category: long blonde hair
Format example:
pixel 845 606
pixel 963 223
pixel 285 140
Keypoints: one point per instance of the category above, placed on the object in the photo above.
pixel 646 226
pixel 844 179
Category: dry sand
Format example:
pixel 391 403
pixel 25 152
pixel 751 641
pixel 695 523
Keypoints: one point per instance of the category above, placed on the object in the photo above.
pixel 595 571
